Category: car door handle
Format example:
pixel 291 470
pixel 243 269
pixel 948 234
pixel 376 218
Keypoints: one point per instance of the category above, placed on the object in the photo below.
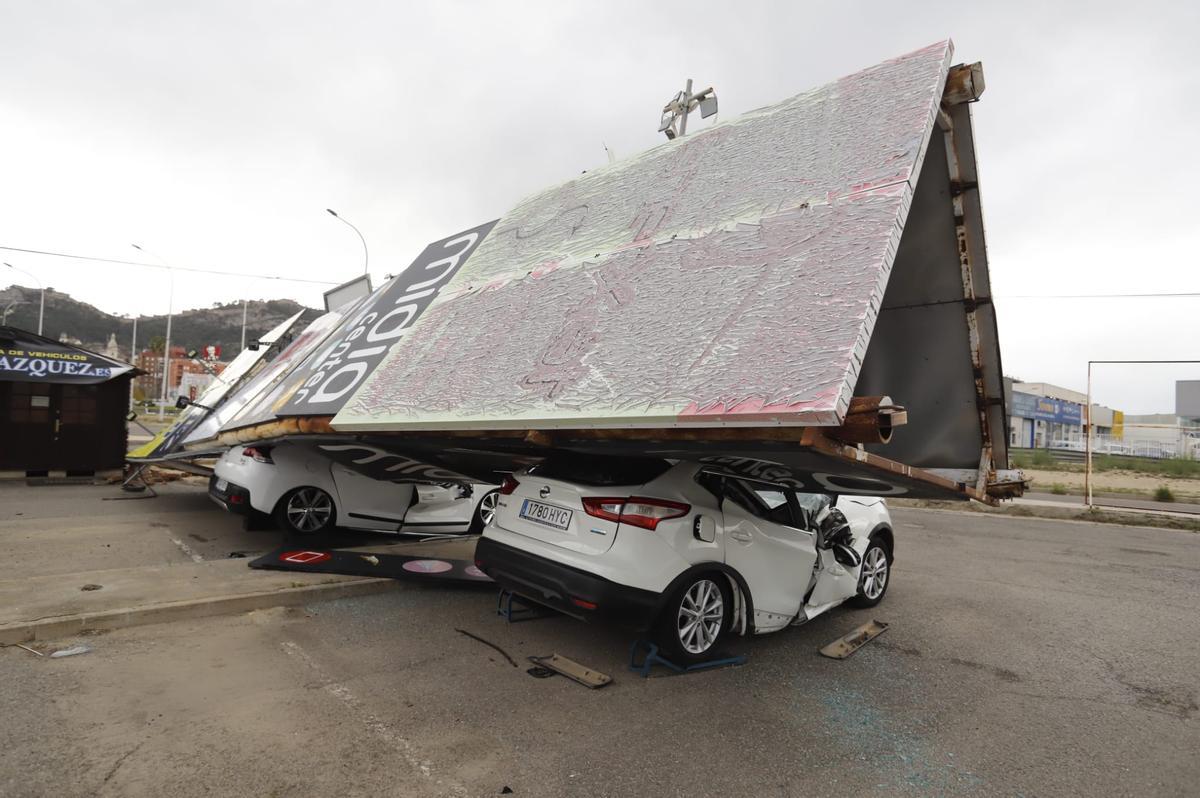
pixel 742 536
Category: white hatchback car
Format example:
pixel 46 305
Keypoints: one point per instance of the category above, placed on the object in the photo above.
pixel 307 493
pixel 685 549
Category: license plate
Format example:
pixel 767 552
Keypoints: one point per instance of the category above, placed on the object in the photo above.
pixel 547 514
pixel 222 484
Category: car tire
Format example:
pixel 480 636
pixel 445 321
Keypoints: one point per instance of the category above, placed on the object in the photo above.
pixel 485 510
pixel 695 619
pixel 306 511
pixel 875 576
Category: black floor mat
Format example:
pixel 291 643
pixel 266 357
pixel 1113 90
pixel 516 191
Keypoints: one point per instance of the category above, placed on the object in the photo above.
pixel 357 563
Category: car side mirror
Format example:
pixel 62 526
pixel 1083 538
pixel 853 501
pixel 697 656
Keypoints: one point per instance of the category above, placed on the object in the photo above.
pixel 182 402
pixel 131 416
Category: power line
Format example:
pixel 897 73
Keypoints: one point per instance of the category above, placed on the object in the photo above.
pixel 1096 296
pixel 161 266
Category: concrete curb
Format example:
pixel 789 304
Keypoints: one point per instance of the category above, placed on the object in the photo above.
pixel 67 625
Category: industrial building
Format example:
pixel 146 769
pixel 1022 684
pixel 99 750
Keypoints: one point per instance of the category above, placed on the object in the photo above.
pixel 1046 416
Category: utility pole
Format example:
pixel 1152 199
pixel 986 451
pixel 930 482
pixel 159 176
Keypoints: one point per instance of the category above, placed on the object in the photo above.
pixel 133 356
pixel 243 349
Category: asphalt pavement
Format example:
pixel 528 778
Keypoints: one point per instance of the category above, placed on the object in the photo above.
pixel 1024 657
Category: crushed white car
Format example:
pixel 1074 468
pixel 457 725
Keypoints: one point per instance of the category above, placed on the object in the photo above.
pixel 307 493
pixel 683 548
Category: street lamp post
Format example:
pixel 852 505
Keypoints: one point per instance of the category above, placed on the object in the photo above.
pixel 42 303
pixel 167 343
pixel 333 213
pixel 133 355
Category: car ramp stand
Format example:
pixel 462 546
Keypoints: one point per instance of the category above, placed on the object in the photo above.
pixel 522 611
pixel 649 657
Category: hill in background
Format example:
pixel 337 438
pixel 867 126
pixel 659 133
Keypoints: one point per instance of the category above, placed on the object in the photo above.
pixel 192 329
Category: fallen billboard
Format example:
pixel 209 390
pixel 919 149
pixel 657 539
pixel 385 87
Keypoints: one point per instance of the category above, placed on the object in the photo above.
pixel 245 365
pixel 774 290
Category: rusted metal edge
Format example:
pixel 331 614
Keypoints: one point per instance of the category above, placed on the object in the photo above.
pixel 965 84
pixel 279 428
pixel 818 440
pixel 870 419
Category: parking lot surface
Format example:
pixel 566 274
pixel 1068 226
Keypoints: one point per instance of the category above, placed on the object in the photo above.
pixel 1025 657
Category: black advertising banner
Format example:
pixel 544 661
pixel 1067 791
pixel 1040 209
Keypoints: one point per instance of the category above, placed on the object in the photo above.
pixel 26 357
pixel 330 376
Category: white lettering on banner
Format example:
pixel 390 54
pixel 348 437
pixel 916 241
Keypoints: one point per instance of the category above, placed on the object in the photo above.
pixel 326 393
pixel 451 262
pixel 364 340
pixel 41 367
pixel 405 465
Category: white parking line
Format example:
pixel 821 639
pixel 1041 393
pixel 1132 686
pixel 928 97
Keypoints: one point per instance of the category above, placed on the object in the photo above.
pixel 374 724
pixel 186 549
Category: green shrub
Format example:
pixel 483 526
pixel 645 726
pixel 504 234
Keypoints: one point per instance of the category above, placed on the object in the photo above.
pixel 1163 494
pixel 1058 489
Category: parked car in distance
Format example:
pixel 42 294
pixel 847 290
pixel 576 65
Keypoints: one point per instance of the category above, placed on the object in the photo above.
pixel 308 493
pixel 683 549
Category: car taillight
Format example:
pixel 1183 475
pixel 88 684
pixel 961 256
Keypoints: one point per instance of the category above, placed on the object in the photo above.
pixel 259 454
pixel 635 510
pixel 608 509
pixel 508 485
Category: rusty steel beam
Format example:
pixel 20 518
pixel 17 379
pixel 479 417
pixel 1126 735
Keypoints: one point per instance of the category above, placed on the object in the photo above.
pixel 818 440
pixel 870 419
pixel 965 84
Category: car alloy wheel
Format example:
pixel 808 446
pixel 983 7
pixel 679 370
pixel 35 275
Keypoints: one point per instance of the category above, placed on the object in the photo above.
pixel 309 510
pixel 701 615
pixel 487 507
pixel 874 573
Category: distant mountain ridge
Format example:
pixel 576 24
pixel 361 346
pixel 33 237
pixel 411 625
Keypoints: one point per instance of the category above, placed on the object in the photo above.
pixel 192 329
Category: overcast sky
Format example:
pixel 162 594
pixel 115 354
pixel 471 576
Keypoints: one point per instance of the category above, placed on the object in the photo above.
pixel 215 134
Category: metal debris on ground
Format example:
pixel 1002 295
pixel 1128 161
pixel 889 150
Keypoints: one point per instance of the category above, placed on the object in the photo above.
pixel 573 670
pixel 70 652
pixel 511 661
pixel 847 644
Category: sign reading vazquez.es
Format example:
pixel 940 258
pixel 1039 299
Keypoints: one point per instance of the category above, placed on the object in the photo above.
pixel 331 375
pixel 35 360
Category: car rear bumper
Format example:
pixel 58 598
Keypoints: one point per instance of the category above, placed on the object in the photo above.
pixel 569 590
pixel 233 498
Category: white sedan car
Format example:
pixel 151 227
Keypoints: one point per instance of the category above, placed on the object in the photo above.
pixel 684 549
pixel 306 492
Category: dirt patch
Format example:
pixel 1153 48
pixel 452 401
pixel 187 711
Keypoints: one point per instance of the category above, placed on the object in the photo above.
pixel 1096 516
pixel 1125 482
